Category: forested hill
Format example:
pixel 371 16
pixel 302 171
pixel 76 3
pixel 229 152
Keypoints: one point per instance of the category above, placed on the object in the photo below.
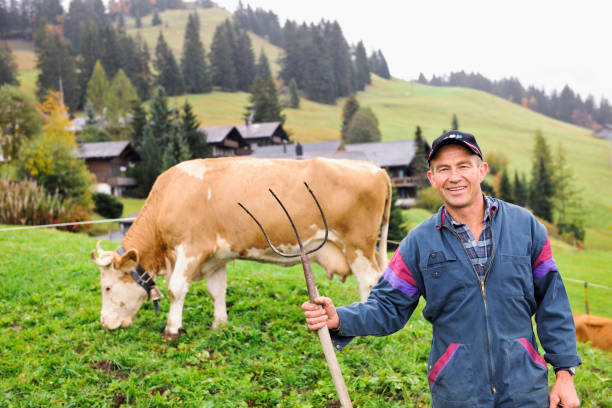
pixel 566 105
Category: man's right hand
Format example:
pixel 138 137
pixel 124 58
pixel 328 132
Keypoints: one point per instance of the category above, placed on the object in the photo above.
pixel 317 316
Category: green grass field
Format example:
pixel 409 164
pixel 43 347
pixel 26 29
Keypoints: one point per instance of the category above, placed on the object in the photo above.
pixel 55 352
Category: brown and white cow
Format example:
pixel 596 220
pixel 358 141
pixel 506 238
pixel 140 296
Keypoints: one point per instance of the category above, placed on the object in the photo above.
pixel 191 226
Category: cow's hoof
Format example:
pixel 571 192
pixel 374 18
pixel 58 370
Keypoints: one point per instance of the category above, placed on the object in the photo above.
pixel 169 336
pixel 220 325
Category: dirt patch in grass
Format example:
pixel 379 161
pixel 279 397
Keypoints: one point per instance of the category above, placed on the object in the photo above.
pixel 119 399
pixel 333 404
pixel 109 368
pixel 161 390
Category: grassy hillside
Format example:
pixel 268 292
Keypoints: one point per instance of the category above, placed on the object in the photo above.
pixel 56 353
pixel 500 125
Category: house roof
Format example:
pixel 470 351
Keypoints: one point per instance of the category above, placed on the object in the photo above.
pixel 289 149
pixel 101 150
pixel 216 134
pixel 257 130
pixel 384 154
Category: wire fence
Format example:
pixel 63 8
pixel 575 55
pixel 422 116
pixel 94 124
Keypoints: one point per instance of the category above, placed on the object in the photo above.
pixel 66 224
pixel 396 243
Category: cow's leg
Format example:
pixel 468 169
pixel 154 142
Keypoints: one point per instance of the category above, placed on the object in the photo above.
pixel 178 286
pixel 366 272
pixel 216 283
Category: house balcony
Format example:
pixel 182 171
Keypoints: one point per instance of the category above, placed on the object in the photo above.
pixel 122 181
pixel 403 181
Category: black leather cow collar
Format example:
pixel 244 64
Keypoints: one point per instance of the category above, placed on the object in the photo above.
pixel 142 278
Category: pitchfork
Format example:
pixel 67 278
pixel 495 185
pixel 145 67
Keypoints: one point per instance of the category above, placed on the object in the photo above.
pixel 313 292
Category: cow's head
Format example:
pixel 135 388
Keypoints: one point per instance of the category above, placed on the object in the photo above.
pixel 122 297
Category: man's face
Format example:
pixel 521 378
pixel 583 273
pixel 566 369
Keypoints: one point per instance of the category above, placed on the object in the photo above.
pixel 457 173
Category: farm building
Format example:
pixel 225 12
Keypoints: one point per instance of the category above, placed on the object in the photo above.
pixel 225 141
pixel 231 140
pixel 109 162
pixel 604 132
pixel 395 157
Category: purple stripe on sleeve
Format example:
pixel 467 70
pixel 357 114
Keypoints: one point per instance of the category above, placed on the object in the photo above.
pixel 398 283
pixel 545 267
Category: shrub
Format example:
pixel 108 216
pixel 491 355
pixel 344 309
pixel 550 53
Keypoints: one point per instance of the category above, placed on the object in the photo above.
pixel 429 199
pixel 27 203
pixel 497 161
pixel 107 206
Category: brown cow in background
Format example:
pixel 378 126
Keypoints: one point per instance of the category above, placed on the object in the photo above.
pixel 597 330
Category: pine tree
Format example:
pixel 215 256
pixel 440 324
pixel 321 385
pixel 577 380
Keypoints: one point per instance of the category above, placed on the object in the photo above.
pixel 98 89
pixel 177 149
pixel 318 81
pixel 150 166
pixel 362 69
pixel 57 69
pixel 138 123
pixel 263 66
pixel 264 102
pixel 340 55
pixel 363 127
pixel 568 207
pixel 383 70
pixel 419 164
pixel 505 189
pixel 91 52
pixel 193 60
pixel 244 59
pixel 138 69
pixel 122 96
pixel 196 140
pixel 222 60
pixel 455 122
pixel 520 190
pixel 169 76
pixel 541 202
pixel 160 120
pixel 8 66
pixel 351 106
pixel 396 233
pixel 294 94
pixel 156 20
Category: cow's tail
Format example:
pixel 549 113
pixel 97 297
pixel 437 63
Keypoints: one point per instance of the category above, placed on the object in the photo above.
pixel 382 246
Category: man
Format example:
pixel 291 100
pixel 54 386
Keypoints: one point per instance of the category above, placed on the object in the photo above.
pixel 484 267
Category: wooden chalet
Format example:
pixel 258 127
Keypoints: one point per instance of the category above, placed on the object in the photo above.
pixel 225 141
pixel 231 140
pixel 604 132
pixel 263 134
pixel 109 162
pixel 395 157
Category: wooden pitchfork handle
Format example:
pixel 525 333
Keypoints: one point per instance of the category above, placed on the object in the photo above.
pixel 313 293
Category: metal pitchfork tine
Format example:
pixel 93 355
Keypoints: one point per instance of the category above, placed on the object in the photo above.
pixel 313 292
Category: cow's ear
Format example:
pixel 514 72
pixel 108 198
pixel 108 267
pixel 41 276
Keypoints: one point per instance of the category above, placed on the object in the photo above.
pixel 128 261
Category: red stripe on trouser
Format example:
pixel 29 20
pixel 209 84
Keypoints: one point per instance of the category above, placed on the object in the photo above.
pixel 532 352
pixel 441 363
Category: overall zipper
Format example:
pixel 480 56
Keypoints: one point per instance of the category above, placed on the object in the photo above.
pixel 484 294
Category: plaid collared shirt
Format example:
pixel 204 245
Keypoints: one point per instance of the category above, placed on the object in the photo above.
pixel 478 251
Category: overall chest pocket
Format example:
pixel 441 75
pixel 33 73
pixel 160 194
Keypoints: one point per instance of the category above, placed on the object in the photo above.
pixel 444 279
